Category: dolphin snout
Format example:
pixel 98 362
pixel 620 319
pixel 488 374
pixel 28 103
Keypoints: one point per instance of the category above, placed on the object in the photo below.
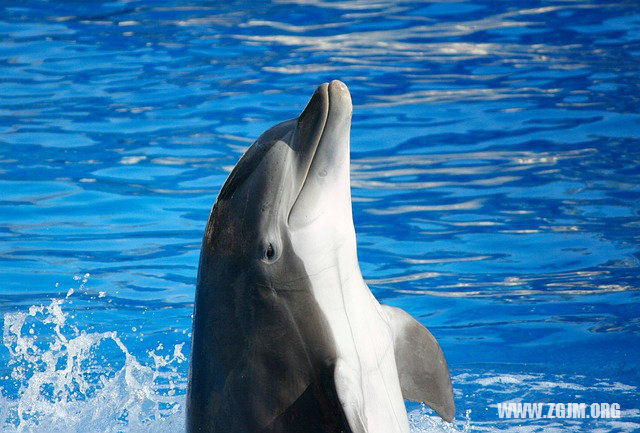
pixel 339 96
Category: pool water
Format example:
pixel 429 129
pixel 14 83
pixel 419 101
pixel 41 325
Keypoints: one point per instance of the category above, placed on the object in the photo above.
pixel 495 175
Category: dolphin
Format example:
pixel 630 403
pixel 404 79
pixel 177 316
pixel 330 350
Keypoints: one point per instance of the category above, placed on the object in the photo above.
pixel 287 337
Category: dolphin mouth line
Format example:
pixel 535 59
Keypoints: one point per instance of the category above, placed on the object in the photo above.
pixel 325 90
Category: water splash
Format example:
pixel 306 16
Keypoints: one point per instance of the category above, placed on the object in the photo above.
pixel 62 378
pixel 423 420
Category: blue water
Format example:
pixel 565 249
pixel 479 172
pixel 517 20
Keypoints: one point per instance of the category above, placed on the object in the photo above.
pixel 496 191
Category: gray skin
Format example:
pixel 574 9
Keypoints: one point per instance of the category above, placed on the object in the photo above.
pixel 264 351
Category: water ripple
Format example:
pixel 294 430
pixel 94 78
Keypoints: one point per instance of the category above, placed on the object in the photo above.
pixel 494 172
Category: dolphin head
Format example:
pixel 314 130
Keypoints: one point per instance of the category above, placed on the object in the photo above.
pixel 294 177
pixel 259 336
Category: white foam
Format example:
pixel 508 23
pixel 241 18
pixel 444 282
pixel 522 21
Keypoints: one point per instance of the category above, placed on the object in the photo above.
pixel 424 420
pixel 65 384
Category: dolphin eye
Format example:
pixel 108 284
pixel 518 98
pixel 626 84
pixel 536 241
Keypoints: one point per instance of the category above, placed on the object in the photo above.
pixel 270 252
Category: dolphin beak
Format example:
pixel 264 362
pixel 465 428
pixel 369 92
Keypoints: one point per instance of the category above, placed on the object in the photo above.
pixel 322 144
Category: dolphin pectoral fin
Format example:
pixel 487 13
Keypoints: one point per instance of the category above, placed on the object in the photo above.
pixel 349 393
pixel 422 368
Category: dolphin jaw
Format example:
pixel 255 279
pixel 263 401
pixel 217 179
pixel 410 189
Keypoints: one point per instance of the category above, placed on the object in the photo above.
pixel 324 157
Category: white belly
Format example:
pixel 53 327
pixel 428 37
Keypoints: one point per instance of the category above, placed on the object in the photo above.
pixel 368 377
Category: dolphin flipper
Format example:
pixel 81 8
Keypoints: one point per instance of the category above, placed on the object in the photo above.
pixel 422 368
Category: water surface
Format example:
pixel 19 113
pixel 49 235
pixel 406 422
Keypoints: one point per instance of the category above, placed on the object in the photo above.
pixel 495 186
